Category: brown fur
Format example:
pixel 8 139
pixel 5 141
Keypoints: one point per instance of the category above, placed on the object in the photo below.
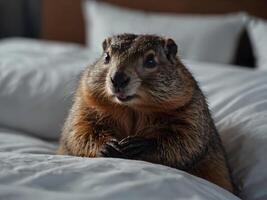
pixel 171 110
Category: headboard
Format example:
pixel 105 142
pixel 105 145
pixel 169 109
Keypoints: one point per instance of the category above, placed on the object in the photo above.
pixel 62 19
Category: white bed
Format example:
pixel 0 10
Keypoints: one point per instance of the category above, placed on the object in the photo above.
pixel 37 80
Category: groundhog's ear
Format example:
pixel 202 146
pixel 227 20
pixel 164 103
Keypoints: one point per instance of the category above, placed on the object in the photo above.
pixel 106 43
pixel 170 48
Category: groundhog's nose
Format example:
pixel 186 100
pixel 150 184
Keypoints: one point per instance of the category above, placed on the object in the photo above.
pixel 120 80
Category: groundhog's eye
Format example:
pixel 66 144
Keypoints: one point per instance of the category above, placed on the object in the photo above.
pixel 150 62
pixel 106 58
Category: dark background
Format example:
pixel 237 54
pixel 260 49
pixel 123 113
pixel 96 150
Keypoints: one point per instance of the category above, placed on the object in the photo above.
pixel 20 18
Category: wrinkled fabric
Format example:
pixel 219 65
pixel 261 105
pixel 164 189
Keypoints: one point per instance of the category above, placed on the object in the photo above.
pixel 29 168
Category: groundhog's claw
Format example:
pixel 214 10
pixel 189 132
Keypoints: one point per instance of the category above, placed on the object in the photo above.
pixel 133 146
pixel 111 149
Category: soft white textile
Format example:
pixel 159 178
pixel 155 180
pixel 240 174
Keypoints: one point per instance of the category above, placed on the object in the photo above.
pixel 39 176
pixel 36 82
pixel 257 30
pixel 237 98
pixel 202 38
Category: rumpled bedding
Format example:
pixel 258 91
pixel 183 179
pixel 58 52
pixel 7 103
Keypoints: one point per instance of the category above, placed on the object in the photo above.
pixel 31 120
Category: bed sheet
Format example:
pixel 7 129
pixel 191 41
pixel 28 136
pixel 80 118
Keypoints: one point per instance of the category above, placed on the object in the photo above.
pixel 30 170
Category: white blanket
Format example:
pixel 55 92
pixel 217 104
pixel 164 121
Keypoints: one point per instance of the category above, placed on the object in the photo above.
pixel 30 170
pixel 27 172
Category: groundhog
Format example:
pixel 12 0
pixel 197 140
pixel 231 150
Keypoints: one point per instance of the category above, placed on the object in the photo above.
pixel 138 101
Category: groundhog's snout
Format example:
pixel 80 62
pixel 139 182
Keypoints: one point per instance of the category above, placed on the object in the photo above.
pixel 119 81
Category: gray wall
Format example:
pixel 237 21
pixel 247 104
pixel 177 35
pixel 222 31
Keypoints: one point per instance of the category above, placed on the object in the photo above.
pixel 20 18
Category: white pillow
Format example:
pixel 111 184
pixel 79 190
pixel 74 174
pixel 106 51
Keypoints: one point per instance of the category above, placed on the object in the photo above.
pixel 37 80
pixel 203 38
pixel 257 29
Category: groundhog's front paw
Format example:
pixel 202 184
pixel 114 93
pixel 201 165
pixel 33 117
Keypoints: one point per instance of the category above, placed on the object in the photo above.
pixel 132 147
pixel 111 149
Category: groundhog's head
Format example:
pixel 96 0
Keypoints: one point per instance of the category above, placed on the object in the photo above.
pixel 141 72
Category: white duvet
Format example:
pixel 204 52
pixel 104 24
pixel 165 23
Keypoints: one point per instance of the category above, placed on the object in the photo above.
pixel 37 80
